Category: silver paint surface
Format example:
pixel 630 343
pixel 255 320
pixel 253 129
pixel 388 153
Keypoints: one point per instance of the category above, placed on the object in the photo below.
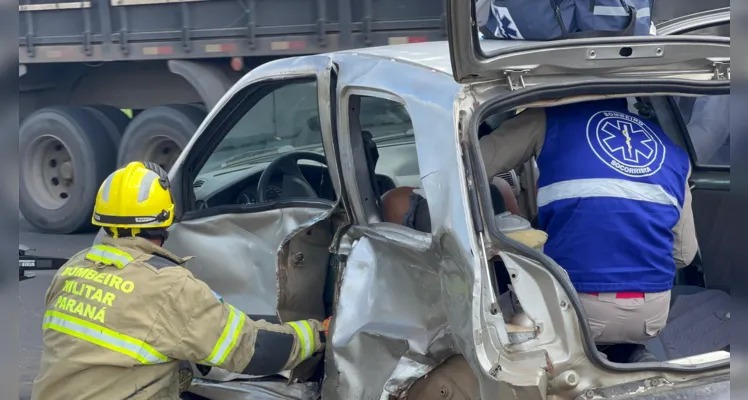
pixel 235 254
pixel 406 300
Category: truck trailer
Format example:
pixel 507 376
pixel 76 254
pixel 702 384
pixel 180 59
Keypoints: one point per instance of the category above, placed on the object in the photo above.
pixel 105 82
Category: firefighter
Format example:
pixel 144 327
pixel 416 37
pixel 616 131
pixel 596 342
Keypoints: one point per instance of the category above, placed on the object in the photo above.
pixel 124 316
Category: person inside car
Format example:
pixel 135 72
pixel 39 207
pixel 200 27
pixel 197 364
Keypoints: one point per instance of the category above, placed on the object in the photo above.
pixel 407 205
pixel 614 200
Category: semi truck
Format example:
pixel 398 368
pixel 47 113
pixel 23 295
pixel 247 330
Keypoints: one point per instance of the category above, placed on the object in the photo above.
pixel 105 82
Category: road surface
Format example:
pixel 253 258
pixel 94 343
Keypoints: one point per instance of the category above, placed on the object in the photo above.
pixel 32 296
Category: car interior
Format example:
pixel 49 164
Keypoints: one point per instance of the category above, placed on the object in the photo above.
pixel 701 287
pixel 703 281
pixel 292 166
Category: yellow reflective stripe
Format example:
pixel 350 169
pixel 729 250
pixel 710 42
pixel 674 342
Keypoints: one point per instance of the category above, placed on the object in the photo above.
pixel 306 337
pixel 109 255
pixel 228 338
pixel 102 337
pixel 234 337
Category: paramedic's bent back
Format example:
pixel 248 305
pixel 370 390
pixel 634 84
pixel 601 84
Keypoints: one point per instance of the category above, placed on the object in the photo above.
pixel 614 199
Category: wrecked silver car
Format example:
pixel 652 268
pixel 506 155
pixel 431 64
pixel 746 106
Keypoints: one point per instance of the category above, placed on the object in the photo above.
pixel 279 199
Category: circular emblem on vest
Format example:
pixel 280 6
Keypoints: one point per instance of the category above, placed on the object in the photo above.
pixel 625 143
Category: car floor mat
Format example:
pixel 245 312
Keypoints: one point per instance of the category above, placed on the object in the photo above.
pixel 698 323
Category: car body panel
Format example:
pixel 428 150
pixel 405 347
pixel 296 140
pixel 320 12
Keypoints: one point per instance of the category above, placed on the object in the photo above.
pixel 387 294
pixel 236 252
pixel 405 301
pixel 694 22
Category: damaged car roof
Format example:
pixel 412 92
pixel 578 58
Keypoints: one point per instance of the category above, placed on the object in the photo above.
pixel 432 55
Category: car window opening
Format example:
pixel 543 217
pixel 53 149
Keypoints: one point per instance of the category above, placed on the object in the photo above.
pixel 279 131
pixel 696 125
pixel 389 182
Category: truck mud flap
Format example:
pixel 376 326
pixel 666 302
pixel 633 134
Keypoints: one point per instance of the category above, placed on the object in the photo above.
pixel 27 264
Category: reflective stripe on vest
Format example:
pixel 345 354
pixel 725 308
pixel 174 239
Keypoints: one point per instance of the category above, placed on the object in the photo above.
pixel 306 337
pixel 103 337
pixel 109 255
pixel 619 188
pixel 228 338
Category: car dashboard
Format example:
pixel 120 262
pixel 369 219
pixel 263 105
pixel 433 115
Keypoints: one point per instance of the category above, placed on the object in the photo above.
pixel 239 187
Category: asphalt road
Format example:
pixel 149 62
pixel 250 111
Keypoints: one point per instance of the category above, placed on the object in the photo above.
pixel 32 296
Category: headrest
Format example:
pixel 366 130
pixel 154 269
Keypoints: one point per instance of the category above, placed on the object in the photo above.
pixel 372 154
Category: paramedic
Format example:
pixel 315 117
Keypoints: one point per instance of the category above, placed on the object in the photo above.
pixel 124 316
pixel 614 199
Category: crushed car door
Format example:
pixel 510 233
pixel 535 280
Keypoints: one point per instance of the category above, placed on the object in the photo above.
pixel 522 63
pixel 255 190
pixel 387 329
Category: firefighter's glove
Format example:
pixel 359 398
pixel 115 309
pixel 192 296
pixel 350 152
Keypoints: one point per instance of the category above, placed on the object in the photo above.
pixel 326 325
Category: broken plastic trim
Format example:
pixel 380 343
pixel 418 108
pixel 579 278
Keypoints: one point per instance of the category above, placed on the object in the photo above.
pixel 548 92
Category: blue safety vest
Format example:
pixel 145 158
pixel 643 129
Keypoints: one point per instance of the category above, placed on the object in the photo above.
pixel 611 189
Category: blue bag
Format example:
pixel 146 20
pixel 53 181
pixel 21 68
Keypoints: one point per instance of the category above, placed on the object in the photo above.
pixel 562 19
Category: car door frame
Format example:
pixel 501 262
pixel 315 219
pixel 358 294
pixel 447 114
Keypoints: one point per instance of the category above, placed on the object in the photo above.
pixel 187 167
pixel 319 67
pixel 693 22
pixel 379 255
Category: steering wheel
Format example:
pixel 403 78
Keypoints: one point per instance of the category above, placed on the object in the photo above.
pixel 294 183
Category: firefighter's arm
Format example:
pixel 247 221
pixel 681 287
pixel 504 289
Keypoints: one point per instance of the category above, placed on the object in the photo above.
pixel 218 334
pixel 514 142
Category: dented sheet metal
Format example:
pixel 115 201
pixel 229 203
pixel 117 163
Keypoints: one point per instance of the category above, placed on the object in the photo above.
pixel 238 253
pixel 255 390
pixel 401 289
pixel 389 327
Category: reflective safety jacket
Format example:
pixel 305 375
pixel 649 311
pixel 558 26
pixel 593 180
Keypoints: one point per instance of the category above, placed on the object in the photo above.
pixel 613 193
pixel 121 315
pixel 611 189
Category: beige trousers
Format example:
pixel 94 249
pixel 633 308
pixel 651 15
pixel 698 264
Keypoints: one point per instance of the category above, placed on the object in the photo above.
pixel 614 320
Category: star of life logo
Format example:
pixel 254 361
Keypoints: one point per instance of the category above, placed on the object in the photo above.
pixel 625 144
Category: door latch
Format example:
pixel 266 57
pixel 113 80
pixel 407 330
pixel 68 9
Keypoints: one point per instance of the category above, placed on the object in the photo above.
pixel 515 78
pixel 721 71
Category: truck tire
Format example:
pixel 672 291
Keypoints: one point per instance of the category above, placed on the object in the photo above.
pixel 159 134
pixel 200 106
pixel 65 156
pixel 112 118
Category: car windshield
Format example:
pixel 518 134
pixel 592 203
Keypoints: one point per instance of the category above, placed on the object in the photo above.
pixel 246 144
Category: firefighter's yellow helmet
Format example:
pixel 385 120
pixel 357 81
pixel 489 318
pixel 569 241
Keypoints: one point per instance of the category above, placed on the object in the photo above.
pixel 135 197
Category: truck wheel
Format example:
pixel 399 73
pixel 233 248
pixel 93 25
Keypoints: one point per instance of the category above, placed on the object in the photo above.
pixel 200 106
pixel 64 159
pixel 159 134
pixel 112 118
